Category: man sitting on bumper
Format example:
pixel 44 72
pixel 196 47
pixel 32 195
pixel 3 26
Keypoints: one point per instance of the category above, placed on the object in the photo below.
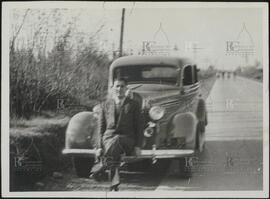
pixel 120 130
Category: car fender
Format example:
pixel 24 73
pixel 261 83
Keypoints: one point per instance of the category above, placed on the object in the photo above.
pixel 185 125
pixel 81 131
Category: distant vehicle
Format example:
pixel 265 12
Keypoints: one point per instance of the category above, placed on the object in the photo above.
pixel 223 74
pixel 234 74
pixel 173 110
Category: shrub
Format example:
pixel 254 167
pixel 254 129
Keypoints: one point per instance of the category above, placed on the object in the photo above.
pixel 73 71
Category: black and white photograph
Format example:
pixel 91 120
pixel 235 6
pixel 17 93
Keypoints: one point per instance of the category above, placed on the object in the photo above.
pixel 135 99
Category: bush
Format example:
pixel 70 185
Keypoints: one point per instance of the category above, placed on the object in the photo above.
pixel 39 78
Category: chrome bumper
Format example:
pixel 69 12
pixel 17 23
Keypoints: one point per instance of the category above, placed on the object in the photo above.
pixel 145 154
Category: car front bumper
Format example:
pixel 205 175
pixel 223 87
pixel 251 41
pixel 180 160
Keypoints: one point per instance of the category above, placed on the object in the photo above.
pixel 145 154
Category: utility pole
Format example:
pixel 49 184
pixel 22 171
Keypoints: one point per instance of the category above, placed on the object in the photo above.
pixel 122 33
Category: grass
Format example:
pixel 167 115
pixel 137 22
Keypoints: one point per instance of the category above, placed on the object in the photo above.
pixel 38 126
pixel 252 73
pixel 36 121
pixel 38 139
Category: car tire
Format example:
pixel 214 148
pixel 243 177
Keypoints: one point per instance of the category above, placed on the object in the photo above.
pixel 201 126
pixel 185 171
pixel 200 139
pixel 205 119
pixel 83 166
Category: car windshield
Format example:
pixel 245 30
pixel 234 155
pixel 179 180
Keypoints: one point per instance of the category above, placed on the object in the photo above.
pixel 166 74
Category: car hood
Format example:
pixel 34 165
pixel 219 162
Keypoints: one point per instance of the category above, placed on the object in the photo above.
pixel 156 93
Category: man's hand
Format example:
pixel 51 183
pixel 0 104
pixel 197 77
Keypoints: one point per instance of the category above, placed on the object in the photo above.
pixel 129 93
pixel 98 152
pixel 137 151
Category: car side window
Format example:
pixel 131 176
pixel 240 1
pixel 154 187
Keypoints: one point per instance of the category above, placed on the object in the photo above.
pixel 188 75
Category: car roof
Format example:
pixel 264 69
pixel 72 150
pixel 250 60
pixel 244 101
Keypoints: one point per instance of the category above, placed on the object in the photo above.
pixel 138 60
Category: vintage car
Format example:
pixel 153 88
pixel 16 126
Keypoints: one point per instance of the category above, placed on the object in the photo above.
pixel 172 107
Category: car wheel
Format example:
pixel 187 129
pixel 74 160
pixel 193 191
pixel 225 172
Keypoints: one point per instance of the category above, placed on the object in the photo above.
pixel 185 170
pixel 200 140
pixel 202 126
pixel 83 166
pixel 205 119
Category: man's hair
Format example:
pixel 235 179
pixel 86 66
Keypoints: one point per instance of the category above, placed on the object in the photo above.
pixel 120 79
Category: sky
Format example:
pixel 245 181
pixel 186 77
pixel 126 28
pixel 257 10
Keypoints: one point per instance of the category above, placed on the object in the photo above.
pixel 210 28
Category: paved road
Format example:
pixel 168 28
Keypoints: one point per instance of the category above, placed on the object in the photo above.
pixel 233 154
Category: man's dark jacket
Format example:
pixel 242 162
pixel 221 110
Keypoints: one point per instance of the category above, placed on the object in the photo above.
pixel 128 123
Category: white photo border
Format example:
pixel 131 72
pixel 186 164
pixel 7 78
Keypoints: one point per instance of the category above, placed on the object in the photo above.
pixel 7 6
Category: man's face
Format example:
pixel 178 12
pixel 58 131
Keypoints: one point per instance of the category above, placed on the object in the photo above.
pixel 119 88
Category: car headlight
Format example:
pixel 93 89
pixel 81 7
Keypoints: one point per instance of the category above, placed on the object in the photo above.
pixel 156 112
